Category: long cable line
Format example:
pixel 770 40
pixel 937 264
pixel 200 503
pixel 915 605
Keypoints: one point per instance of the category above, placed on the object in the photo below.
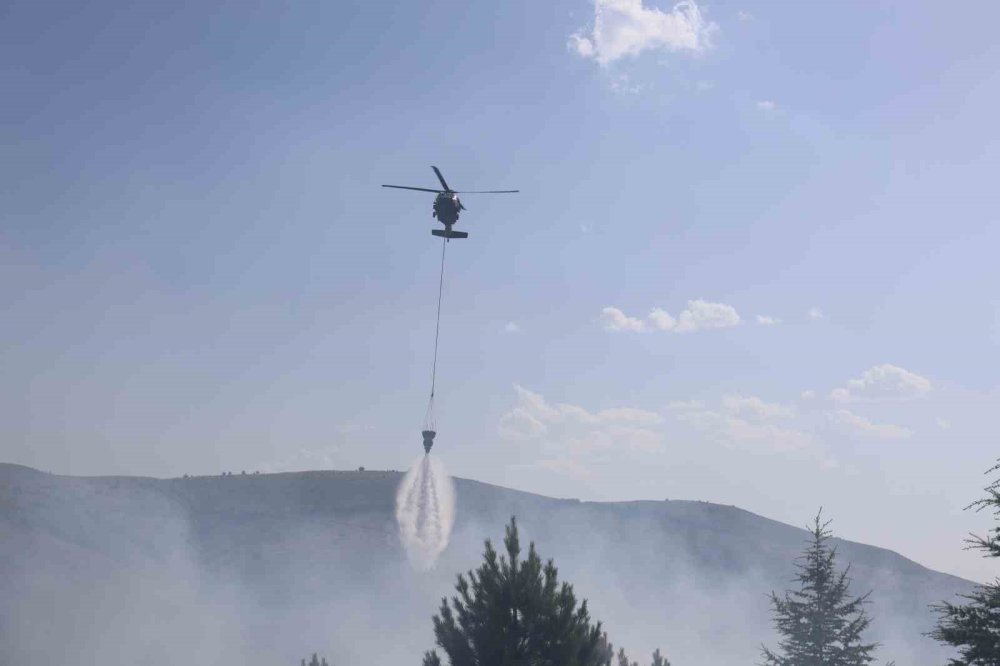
pixel 429 423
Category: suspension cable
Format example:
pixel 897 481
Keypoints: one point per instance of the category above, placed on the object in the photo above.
pixel 429 417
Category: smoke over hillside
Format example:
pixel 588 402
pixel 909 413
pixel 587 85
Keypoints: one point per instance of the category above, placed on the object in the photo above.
pixel 265 569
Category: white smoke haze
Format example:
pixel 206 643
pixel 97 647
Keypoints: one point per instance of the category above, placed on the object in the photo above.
pixel 264 570
pixel 425 511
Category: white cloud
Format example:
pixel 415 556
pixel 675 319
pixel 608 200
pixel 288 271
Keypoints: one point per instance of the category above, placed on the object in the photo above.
pixel 766 105
pixel 744 16
pixel 765 437
pixel 883 382
pixel 704 86
pixel 626 28
pixel 754 406
pixel 942 423
pixel 518 423
pixel 808 394
pixel 699 315
pixel 865 426
pixel 765 320
pixel 511 327
pixel 616 320
pixel 702 314
pixel 565 430
pixel 815 314
pixel 685 405
pixel 662 320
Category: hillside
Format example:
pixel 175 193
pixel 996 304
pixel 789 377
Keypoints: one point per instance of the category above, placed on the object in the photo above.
pixel 263 569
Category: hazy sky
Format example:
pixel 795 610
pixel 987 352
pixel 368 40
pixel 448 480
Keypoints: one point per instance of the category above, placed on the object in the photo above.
pixel 753 260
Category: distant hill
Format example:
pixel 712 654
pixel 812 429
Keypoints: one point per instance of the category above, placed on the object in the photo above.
pixel 265 569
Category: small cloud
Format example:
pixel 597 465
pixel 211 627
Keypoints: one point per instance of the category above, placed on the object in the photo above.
pixel 865 426
pixel 699 315
pixel 616 320
pixel 808 394
pixel 685 405
pixel 581 45
pixel 744 16
pixel 942 423
pixel 754 406
pixel 766 105
pixel 623 84
pixel 626 28
pixel 570 430
pixel 511 327
pixel 765 320
pixel 883 382
pixel 704 86
pixel 765 437
pixel 815 314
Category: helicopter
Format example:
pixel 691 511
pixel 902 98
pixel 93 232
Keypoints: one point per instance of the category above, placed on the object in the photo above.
pixel 447 205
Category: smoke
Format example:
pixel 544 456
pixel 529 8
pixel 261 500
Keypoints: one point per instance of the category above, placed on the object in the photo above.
pixel 425 511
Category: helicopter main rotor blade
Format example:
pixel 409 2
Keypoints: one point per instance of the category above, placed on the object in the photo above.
pixel 487 191
pixel 418 189
pixel 441 178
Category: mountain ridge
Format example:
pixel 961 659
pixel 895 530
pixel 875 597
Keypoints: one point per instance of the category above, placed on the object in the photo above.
pixel 327 539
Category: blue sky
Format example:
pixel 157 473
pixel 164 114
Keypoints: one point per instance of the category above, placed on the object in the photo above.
pixel 199 271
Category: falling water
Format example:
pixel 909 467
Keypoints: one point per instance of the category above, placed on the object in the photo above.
pixel 425 511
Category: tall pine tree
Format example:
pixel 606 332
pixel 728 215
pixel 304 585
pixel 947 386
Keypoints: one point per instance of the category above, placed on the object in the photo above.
pixel 820 625
pixel 974 628
pixel 512 612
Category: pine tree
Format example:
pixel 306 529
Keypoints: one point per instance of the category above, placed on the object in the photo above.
pixel 659 659
pixel 315 661
pixel 819 624
pixel 513 611
pixel 974 628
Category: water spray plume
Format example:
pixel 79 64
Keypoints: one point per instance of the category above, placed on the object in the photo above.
pixel 425 511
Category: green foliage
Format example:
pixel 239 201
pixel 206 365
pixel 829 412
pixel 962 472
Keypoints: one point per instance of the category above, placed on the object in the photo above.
pixel 819 624
pixel 974 628
pixel 659 659
pixel 623 659
pixel 513 611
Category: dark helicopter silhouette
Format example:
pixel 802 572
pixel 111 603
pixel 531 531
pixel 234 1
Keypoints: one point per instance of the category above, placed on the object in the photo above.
pixel 447 205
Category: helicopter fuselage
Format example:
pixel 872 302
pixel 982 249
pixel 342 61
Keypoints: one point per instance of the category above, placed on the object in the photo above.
pixel 446 208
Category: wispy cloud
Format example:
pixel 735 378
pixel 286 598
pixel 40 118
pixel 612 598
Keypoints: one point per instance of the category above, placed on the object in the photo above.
pixel 566 432
pixel 881 383
pixel 752 405
pixel 766 105
pixel 511 327
pixel 866 427
pixel 626 28
pixel 815 314
pixel 765 320
pixel 685 405
pixel 747 421
pixel 759 435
